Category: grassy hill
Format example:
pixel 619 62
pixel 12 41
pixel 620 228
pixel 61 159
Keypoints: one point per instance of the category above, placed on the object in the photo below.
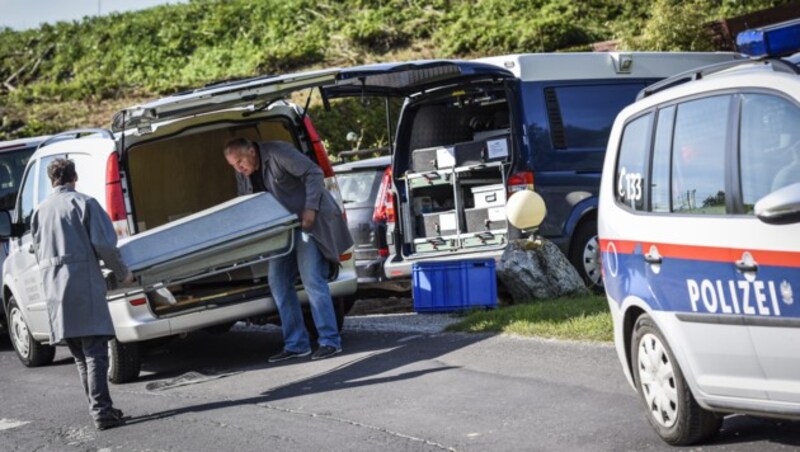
pixel 77 74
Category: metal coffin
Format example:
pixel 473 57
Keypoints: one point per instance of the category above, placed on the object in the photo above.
pixel 240 232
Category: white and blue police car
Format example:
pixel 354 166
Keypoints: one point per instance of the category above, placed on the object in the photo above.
pixel 699 227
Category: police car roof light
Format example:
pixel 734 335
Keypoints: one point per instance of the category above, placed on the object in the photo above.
pixel 771 41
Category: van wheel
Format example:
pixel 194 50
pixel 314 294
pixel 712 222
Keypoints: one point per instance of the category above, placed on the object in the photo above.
pixel 347 306
pixel 671 408
pixel 124 362
pixel 585 255
pixel 338 309
pixel 220 329
pixel 29 351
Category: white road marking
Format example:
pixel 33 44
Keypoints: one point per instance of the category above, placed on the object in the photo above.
pixel 8 424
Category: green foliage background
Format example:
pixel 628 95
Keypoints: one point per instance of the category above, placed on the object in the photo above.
pixel 74 73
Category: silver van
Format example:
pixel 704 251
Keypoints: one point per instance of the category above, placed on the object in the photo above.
pixel 14 155
pixel 161 176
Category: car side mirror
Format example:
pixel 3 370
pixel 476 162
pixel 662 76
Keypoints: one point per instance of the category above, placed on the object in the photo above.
pixel 7 228
pixel 781 206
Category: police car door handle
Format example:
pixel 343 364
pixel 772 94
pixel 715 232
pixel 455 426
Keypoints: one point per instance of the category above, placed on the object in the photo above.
pixel 746 263
pixel 744 266
pixel 653 258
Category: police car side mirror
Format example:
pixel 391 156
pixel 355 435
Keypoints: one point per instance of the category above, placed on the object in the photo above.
pixel 781 206
pixel 6 226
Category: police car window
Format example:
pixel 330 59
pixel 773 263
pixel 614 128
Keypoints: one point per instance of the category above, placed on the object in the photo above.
pixel 698 156
pixel 585 114
pixel 631 166
pixel 659 180
pixel 769 146
pixel 26 199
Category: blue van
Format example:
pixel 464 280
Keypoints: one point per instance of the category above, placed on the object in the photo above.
pixel 470 133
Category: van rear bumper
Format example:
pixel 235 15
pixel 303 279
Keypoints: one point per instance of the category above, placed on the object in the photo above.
pixel 402 268
pixel 370 270
pixel 139 323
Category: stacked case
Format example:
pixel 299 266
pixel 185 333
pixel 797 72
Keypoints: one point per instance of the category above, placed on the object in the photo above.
pixel 439 226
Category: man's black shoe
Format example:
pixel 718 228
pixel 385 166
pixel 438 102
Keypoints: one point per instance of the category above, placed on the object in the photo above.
pixel 116 413
pixel 106 422
pixel 325 351
pixel 284 355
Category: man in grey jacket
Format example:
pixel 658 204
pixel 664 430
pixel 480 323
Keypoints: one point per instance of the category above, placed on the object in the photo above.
pixel 70 233
pixel 297 183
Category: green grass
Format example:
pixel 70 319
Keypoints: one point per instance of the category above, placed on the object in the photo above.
pixel 46 71
pixel 580 319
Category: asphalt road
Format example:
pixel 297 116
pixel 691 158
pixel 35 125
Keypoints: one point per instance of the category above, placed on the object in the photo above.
pixel 390 391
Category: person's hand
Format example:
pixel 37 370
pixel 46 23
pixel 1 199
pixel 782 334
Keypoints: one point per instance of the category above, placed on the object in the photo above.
pixel 307 219
pixel 128 280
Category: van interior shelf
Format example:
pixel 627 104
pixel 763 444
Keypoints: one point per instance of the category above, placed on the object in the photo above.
pixel 454 208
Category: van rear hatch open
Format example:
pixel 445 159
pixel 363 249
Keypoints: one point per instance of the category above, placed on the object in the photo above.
pixel 452 153
pixel 257 92
pixel 409 77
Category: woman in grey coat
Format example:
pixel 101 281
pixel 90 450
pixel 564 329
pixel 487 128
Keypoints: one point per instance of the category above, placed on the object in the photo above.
pixel 70 233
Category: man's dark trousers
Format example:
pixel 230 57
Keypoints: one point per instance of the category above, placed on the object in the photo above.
pixel 91 357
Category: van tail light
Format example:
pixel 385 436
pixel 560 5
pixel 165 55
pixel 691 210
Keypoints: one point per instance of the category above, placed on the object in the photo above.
pixel 324 163
pixel 345 257
pixel 138 301
pixel 384 203
pixel 115 202
pixel 383 252
pixel 520 181
pixel 319 148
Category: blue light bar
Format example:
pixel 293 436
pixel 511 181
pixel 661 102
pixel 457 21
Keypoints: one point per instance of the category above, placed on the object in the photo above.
pixel 770 41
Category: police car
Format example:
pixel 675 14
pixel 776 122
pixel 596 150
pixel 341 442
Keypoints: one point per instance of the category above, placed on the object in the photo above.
pixel 699 227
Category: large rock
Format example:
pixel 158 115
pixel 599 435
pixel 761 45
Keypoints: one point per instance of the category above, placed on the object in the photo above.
pixel 537 269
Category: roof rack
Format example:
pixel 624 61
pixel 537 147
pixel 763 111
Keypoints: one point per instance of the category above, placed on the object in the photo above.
pixel 75 134
pixel 777 65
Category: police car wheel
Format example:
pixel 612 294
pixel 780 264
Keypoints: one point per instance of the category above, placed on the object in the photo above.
pixel 29 351
pixel 671 408
pixel 585 255
pixel 220 329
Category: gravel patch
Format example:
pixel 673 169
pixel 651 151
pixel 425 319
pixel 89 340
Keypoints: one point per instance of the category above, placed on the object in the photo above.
pixel 378 323
pixel 381 315
pixel 394 314
pixel 400 323
pixel 382 305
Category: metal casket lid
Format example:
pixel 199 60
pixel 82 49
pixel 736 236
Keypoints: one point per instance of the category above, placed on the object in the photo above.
pixel 244 227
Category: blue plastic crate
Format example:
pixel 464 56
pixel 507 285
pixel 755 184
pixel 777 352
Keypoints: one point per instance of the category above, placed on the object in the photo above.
pixel 454 285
